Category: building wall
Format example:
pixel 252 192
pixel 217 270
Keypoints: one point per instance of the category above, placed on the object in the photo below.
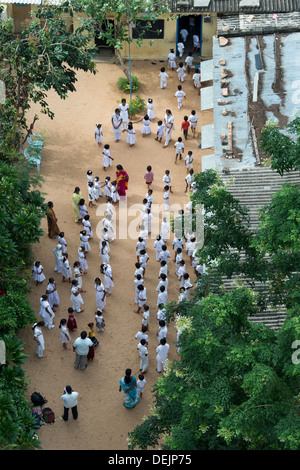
pixel 209 30
pixel 155 49
pixel 158 49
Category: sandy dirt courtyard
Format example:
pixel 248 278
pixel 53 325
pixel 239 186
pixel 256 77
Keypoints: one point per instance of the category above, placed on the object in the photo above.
pixel 70 150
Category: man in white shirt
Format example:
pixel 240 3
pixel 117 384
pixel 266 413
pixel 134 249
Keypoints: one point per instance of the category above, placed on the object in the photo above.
pixel 70 401
pixel 162 354
pixel 81 346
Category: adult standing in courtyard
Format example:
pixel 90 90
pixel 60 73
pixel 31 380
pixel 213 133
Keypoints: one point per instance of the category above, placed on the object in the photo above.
pixel 128 385
pixel 38 338
pixel 81 347
pixel 70 401
pixel 116 121
pixel 75 201
pixel 169 126
pixel 53 229
pixel 122 181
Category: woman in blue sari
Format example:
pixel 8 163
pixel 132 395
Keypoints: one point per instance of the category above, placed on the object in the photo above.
pixel 128 385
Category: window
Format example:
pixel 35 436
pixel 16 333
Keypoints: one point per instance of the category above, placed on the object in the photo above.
pixel 155 31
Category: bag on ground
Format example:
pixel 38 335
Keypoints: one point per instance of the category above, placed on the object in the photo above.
pixel 48 415
pixel 37 399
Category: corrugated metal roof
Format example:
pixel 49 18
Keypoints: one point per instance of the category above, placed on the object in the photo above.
pixel 233 6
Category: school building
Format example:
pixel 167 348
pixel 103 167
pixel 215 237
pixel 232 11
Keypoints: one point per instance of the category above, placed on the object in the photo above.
pixel 196 16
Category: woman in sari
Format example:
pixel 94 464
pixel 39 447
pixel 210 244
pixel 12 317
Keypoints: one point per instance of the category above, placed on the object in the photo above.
pixel 122 181
pixel 128 385
pixel 75 201
pixel 53 229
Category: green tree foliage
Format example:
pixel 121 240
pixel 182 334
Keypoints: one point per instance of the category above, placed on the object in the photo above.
pixel 44 56
pixel 283 149
pixel 123 13
pixel 236 385
pixel 278 238
pixel 230 389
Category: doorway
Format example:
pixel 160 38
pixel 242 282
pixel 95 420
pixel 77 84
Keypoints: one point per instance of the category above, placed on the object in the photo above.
pixel 103 48
pixel 193 25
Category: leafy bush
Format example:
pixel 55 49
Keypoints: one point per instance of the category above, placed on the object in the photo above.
pixel 124 85
pixel 136 106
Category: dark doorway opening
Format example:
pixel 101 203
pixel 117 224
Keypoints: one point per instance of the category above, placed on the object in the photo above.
pixel 102 46
pixel 193 25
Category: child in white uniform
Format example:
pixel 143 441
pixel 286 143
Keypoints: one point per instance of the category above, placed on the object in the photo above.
pixel 140 385
pixel 193 118
pixel 87 225
pixel 189 61
pixel 197 80
pixel 100 323
pixel 108 278
pixel 166 198
pixel 124 112
pixel 189 161
pixel 62 241
pixel 107 159
pixel 163 77
pixel 37 272
pixel 137 282
pixel 159 131
pixel 76 298
pixel 179 145
pixel 53 297
pixel 143 353
pixel 82 259
pixel 114 192
pixel 180 94
pixel 146 129
pixel 91 194
pixel 107 187
pixel 131 137
pixel 97 188
pixel 158 245
pixel 164 229
pixel 66 269
pixel 46 312
pixel 167 180
pixel 84 240
pixel 150 109
pixel 188 180
pixel 104 252
pixel 89 176
pixel 98 134
pixel 78 273
pixel 64 333
pixel 82 209
pixel 172 60
pixel 181 72
pixel 180 48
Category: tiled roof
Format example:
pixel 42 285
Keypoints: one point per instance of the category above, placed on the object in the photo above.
pixel 236 6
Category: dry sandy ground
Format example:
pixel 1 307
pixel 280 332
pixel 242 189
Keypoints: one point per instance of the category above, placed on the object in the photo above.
pixel 70 150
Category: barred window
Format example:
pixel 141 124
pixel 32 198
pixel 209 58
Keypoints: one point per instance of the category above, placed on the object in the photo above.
pixel 155 31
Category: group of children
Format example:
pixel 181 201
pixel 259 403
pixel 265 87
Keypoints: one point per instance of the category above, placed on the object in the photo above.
pixel 50 300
